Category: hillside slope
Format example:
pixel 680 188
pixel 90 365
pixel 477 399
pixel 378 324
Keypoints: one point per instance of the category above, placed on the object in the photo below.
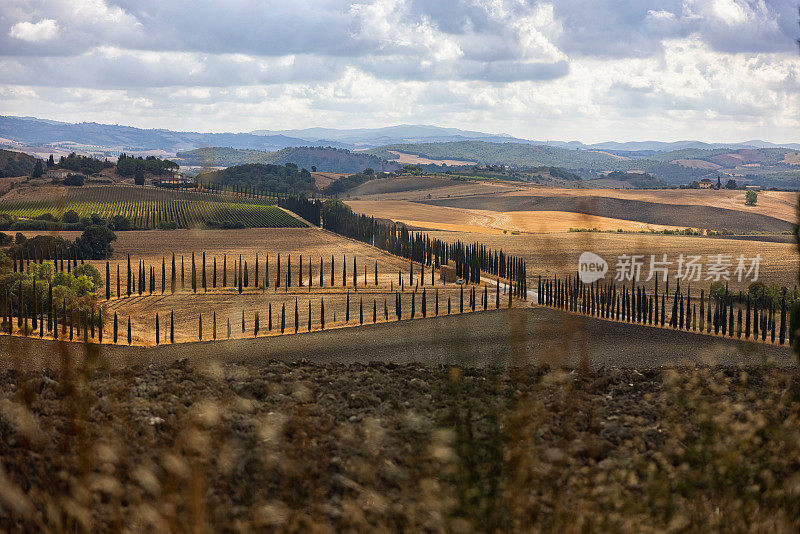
pixel 325 159
pixel 15 163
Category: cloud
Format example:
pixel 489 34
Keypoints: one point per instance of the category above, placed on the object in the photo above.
pixel 33 32
pixel 535 68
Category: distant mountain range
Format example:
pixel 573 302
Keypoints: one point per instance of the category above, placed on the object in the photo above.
pixel 34 131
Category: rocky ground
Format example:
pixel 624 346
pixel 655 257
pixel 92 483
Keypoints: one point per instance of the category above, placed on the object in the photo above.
pixel 303 446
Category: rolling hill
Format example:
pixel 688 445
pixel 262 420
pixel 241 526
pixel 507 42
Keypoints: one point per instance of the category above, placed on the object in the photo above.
pixel 325 159
pixel 15 163
pixel 773 167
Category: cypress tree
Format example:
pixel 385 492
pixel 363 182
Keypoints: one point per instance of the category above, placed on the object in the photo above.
pixel 385 310
pixel 278 273
pixel 436 301
pixel 497 293
pixel 172 276
pixel 472 298
pixel 283 317
pixel 130 337
pixel 108 281
pixel 739 323
pixel 194 276
pixel 730 321
pixel 300 272
pixel 266 272
pixel 413 303
pixel 361 311
pixel 355 274
pixel 214 274
pixel 424 303
pixel 224 270
pixel 242 320
pixel 332 269
pixel 183 285
pixel 172 326
pixel 49 308
pixel 771 321
pixel 288 272
pixel 158 331
pixel 320 272
pixel 255 325
pixel 214 325
pixel 747 319
pixel 163 274
pixel 118 283
pixel 461 299
pixel 115 326
pixel 397 305
pixel 448 305
pixel 129 274
pixel 256 284
pixel 239 280
pixel 322 312
pixel 344 270
pixel 309 315
pixel 246 276
pixel 200 327
pixel 203 274
pixel 347 309
pixel 376 273
pixel 229 328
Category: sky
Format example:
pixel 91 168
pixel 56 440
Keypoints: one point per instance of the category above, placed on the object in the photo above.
pixel 599 70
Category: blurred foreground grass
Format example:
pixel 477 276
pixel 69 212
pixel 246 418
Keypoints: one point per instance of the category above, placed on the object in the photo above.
pixel 304 447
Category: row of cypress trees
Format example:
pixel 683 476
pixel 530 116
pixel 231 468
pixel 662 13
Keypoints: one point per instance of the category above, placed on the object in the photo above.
pixel 469 260
pixel 726 314
pixel 143 279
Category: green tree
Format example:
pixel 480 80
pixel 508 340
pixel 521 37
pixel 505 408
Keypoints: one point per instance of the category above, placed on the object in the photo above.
pixel 38 169
pixel 751 198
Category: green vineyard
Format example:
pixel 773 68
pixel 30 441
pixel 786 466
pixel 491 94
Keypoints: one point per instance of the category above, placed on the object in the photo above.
pixel 149 208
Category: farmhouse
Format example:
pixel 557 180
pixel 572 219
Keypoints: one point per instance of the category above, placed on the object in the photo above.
pixel 705 183
pixel 57 173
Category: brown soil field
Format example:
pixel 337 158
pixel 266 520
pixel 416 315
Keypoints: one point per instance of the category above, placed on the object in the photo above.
pixel 496 338
pixel 229 305
pixel 779 204
pixel 550 254
pixel 696 164
pixel 670 214
pixel 422 187
pixel 791 158
pixel 324 179
pixel 403 448
pixel 483 221
pixel 413 159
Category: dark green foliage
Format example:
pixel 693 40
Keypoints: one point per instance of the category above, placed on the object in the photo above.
pixel 285 179
pixel 129 166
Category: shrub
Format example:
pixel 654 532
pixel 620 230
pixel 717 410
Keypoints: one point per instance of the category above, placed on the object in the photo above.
pixel 74 179
pixel 71 217
pixel 751 198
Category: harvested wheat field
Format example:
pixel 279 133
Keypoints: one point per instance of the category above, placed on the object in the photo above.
pixel 671 214
pixel 425 187
pixel 557 254
pixel 485 221
pixel 779 204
